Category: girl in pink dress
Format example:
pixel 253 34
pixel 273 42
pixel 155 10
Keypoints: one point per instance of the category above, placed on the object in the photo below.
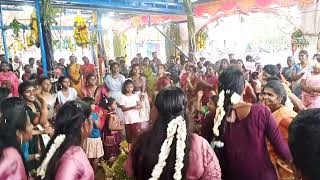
pixel 183 155
pixel 8 78
pixel 310 85
pixel 64 158
pixel 15 128
pixel 111 134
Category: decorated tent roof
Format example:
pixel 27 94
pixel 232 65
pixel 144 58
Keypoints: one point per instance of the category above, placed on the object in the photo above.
pixel 136 6
pixel 244 6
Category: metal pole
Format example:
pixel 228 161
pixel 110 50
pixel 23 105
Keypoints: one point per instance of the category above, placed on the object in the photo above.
pixel 170 41
pixel 4 39
pixel 100 33
pixel 43 50
pixel 100 45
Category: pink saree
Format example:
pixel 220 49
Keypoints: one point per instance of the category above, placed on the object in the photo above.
pixel 10 80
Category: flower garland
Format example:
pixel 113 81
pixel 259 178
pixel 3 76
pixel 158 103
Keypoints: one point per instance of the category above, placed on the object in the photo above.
pixel 33 39
pixel 298 40
pixel 81 32
pixel 220 113
pixel 201 38
pixel 176 125
pixel 41 171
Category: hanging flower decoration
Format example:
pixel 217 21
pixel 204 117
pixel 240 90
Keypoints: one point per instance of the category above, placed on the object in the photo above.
pixel 201 38
pixel 16 46
pixel 33 39
pixel 94 38
pixel 64 43
pixel 16 26
pixel 298 40
pixel 81 32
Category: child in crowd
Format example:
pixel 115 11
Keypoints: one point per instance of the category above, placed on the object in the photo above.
pixel 65 92
pixel 130 105
pixel 111 132
pixel 256 84
pixel 206 116
pixel 27 73
pixel 92 145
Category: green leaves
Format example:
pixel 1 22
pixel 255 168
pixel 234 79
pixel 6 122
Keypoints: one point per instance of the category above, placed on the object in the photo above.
pixel 299 40
pixel 16 26
pixel 49 12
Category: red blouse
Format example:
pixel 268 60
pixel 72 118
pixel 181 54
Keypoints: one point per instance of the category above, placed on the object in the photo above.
pixel 163 82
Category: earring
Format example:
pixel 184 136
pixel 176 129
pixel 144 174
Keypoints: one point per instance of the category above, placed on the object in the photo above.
pixel 21 139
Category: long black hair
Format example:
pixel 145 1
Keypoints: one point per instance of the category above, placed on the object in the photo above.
pixel 272 70
pixel 68 122
pixel 60 80
pixel 171 102
pixel 231 80
pixel 132 67
pixel 278 88
pixel 41 80
pixel 304 143
pixel 4 93
pixel 124 86
pixel 13 118
pixel 89 76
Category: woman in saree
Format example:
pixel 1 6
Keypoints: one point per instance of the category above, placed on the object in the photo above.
pixel 91 88
pixel 310 85
pixel 150 77
pixel 163 79
pixel 299 70
pixel 274 96
pixel 86 69
pixel 75 75
pixel 272 72
pixel 209 84
pixel 9 79
pixel 189 84
pixel 140 83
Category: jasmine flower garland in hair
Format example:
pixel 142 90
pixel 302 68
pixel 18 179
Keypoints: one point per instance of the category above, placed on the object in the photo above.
pixel 176 125
pixel 220 112
pixel 181 145
pixel 235 98
pixel 41 171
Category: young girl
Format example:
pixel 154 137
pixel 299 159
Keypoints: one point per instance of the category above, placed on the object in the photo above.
pixel 206 115
pixel 130 105
pixel 112 131
pixel 92 145
pixel 65 93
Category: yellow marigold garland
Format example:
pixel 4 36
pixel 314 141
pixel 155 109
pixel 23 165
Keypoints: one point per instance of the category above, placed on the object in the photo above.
pixel 201 38
pixel 81 32
pixel 33 39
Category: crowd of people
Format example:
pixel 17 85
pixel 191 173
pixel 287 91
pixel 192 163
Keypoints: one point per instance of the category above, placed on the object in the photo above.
pixel 231 119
